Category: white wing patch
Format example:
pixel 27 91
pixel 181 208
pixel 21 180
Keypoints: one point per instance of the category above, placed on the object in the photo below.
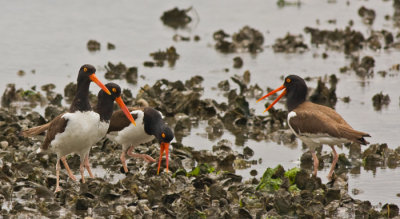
pixel 290 115
pixel 132 135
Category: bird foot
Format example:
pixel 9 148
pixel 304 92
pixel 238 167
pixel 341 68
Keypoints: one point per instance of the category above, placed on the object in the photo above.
pixel 72 177
pixel 124 169
pixel 58 188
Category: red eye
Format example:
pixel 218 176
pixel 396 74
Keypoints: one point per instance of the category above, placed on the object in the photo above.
pixel 163 135
pixel 288 80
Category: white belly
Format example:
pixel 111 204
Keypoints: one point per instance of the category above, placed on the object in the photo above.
pixel 83 130
pixel 131 135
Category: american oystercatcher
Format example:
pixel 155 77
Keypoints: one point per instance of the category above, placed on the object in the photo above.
pixel 150 125
pixel 314 124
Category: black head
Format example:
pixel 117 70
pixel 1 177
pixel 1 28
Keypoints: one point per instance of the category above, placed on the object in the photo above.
pixel 296 89
pixel 165 135
pixel 105 102
pixel 293 82
pixel 115 90
pixel 86 70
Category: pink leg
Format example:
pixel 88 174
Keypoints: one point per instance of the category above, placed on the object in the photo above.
pixel 143 156
pixel 87 165
pixel 335 159
pixel 122 157
pixel 316 163
pixel 70 174
pixel 58 167
pixel 82 170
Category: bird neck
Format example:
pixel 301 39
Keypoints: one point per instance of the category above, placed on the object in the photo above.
pixel 104 107
pixel 81 99
pixel 296 96
pixel 151 121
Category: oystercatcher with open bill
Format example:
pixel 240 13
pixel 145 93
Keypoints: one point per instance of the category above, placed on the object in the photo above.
pixel 314 124
pixel 149 125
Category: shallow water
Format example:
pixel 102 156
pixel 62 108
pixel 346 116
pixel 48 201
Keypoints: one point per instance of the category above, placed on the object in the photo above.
pixel 50 37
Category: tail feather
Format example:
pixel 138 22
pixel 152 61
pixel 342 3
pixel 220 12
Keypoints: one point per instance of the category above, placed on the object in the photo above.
pixel 35 130
pixel 354 135
pixel 362 140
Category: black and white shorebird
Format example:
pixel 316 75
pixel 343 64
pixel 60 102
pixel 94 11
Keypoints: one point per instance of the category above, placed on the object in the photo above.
pixel 315 124
pixel 80 128
pixel 149 125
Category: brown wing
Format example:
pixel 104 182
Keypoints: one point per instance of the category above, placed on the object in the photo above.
pixel 329 112
pixel 57 125
pixel 38 129
pixel 119 120
pixel 317 119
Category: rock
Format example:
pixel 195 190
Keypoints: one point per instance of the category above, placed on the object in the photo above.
pixel 290 44
pixel 390 210
pixel 379 100
pixel 176 18
pixel 110 46
pixel 81 204
pixel 368 15
pixel 224 85
pixel 4 144
pixel 324 96
pixel 131 75
pixel 215 128
pixel 52 112
pixel 159 57
pixel 332 194
pixel 247 39
pixel 115 71
pixel 343 161
pixel 9 95
pixel 70 91
pixel 245 214
pixel 248 152
pixel 253 173
pixel 21 73
pixel 48 87
pixel 93 45
pixel 237 62
pixel 216 191
pixel 355 151
pixel 178 38
pixel 282 202
pixel 346 40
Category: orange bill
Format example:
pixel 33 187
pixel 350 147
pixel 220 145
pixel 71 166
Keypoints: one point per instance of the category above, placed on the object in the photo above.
pixel 125 110
pixel 94 78
pixel 163 147
pixel 277 99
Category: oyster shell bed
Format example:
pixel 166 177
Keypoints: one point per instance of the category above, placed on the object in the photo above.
pixel 200 183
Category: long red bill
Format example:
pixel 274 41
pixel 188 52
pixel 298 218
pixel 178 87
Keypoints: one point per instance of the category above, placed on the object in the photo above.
pixel 125 110
pixel 163 147
pixel 94 78
pixel 277 99
pixel 272 92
